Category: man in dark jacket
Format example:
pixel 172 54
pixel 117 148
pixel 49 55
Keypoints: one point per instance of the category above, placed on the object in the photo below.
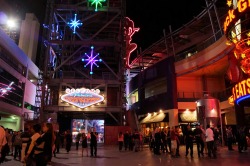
pixel 189 136
pixel 199 141
pixel 93 142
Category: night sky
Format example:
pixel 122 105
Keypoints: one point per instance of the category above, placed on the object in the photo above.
pixel 150 16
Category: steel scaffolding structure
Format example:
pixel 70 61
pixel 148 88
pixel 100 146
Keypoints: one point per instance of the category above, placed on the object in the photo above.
pixel 71 28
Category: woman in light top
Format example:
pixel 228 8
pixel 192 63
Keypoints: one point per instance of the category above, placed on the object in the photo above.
pixel 120 140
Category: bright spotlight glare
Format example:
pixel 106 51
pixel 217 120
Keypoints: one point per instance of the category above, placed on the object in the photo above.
pixel 11 23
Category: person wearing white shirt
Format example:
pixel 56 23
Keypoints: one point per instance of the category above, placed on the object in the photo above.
pixel 210 142
pixel 3 143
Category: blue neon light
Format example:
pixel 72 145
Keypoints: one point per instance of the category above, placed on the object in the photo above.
pixel 242 98
pixel 75 24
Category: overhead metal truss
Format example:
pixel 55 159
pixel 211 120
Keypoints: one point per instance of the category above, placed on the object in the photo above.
pixel 61 56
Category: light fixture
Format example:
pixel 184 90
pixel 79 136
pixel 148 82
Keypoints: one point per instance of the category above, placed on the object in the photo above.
pixel 91 59
pixel 11 23
pixel 74 24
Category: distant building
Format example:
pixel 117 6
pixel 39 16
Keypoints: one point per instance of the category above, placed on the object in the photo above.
pixel 18 82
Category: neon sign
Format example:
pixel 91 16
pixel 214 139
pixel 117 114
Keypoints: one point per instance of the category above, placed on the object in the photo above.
pixel 91 60
pixel 82 97
pixel 75 24
pixel 235 14
pixel 4 89
pixel 240 91
pixel 96 3
pixel 129 32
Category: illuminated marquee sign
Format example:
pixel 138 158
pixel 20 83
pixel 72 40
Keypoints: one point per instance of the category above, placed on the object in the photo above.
pixel 234 14
pixel 82 97
pixel 240 91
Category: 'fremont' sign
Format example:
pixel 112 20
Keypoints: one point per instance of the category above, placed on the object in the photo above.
pixel 82 97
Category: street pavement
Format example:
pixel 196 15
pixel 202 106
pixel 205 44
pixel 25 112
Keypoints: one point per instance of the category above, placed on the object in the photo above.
pixel 111 156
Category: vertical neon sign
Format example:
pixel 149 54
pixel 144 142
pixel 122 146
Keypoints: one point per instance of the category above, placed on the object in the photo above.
pixel 129 32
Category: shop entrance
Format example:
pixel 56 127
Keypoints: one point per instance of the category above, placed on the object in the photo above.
pixel 79 126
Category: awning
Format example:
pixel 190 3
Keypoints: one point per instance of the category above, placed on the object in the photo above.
pixel 187 117
pixel 161 117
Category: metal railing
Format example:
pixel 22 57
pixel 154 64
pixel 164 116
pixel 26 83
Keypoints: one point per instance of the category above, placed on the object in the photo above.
pixel 199 47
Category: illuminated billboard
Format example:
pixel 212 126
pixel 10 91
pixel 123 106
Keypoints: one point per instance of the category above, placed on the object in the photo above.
pixel 82 97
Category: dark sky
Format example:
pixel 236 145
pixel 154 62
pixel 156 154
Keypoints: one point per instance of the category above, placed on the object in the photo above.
pixel 150 16
pixel 154 16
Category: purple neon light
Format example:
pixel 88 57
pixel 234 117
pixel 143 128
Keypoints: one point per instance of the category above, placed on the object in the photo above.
pixel 91 59
pixel 5 89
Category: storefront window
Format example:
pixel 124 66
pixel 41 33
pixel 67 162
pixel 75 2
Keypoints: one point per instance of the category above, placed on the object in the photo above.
pixel 85 126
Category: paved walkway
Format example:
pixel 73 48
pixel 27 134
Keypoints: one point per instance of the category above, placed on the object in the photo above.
pixel 110 156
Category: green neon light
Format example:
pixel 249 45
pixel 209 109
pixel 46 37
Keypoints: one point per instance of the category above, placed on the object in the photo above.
pixel 96 3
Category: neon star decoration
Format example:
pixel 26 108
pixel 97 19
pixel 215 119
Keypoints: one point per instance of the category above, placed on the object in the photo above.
pixel 74 24
pixel 5 89
pixel 91 59
pixel 96 3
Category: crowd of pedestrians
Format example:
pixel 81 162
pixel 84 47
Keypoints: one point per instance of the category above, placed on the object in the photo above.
pixel 37 144
pixel 33 146
pixel 168 140
pixel 130 141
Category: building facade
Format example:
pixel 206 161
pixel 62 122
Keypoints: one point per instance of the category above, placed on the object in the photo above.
pixel 18 84
pixel 200 70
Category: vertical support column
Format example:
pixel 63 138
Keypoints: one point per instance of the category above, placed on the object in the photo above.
pixel 173 117
pixel 204 85
pixel 171 84
pixel 239 114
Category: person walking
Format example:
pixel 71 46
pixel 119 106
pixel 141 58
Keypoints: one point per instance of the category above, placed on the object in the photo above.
pixel 93 142
pixel 25 136
pixel 169 140
pixel 158 141
pixel 57 142
pixel 136 137
pixel 210 142
pixel 68 140
pixel 84 143
pixel 78 137
pixel 173 142
pixel 189 136
pixel 177 133
pixel 126 140
pixel 230 137
pixel 3 144
pixel 29 151
pixel 18 146
pixel 199 140
pixel 44 144
pixel 120 140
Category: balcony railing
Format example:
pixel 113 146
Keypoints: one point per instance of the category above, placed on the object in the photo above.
pixel 189 97
pixel 14 64
pixel 199 47
pixel 192 96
